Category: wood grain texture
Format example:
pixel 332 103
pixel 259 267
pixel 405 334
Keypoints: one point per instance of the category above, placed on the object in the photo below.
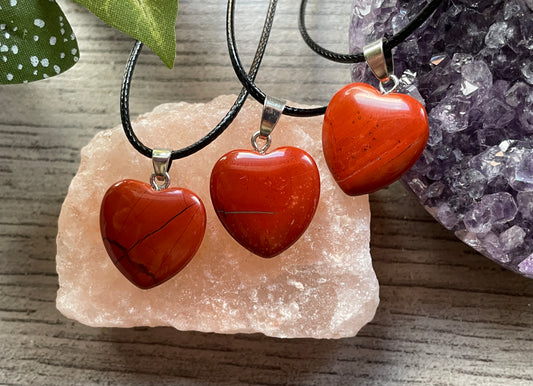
pixel 448 316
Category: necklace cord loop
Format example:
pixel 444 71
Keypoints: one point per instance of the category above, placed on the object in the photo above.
pixel 247 82
pixel 222 125
pixel 388 44
pixel 259 95
pixel 248 79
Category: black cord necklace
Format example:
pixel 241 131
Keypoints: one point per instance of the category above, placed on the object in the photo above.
pixel 388 43
pixel 222 125
pixel 245 79
pixel 264 217
pixel 259 95
pixel 151 231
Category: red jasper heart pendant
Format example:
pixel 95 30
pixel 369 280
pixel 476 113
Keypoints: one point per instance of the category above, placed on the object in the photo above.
pixel 370 140
pixel 265 201
pixel 151 235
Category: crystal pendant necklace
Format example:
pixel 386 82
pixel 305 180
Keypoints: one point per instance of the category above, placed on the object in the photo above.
pixel 370 138
pixel 152 230
pixel 266 200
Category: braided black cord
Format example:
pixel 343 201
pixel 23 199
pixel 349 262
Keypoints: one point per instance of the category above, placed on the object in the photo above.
pixel 388 43
pixel 245 79
pixel 222 125
pixel 125 102
pixel 299 112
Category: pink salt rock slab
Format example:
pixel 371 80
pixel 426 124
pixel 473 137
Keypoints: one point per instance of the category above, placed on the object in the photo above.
pixel 322 287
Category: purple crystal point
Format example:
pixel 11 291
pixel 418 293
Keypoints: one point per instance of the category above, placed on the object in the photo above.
pixel 525 204
pixel 519 169
pixel 503 114
pixel 497 35
pixel 447 216
pixel 459 60
pixel 517 94
pixel 474 71
pixel 502 207
pixel 470 181
pixel 475 76
pixel 526 70
pixel 526 266
pixel 492 245
pixel 451 115
pixel 512 238
pixel 490 162
pixel 477 220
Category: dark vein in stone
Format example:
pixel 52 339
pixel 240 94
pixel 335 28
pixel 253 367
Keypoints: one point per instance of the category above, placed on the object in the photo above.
pixel 244 212
pixel 141 267
pixel 126 251
pixel 160 228
pixel 184 231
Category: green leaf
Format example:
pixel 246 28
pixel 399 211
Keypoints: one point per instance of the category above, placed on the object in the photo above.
pixel 36 41
pixel 150 21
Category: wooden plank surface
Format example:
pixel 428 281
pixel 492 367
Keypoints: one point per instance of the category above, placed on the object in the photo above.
pixel 447 314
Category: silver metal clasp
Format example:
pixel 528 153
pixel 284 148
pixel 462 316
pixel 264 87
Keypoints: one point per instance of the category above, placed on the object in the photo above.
pixel 272 110
pixel 160 179
pixel 381 63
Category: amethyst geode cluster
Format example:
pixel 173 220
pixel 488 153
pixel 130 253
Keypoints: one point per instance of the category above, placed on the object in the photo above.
pixel 474 72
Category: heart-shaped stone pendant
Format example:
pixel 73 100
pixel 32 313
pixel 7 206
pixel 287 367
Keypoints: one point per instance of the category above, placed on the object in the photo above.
pixel 370 140
pixel 151 235
pixel 265 201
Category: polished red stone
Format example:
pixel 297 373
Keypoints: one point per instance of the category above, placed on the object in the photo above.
pixel 370 140
pixel 265 201
pixel 149 235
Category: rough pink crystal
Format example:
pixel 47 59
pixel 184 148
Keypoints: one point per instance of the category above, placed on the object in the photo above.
pixel 322 287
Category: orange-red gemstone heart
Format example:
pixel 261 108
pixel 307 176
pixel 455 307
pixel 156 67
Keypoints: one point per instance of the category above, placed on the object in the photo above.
pixel 265 201
pixel 370 140
pixel 151 235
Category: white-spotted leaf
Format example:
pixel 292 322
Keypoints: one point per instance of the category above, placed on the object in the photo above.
pixel 150 21
pixel 36 41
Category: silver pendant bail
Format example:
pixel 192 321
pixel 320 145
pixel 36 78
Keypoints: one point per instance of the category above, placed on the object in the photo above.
pixel 272 110
pixel 160 179
pixel 379 60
